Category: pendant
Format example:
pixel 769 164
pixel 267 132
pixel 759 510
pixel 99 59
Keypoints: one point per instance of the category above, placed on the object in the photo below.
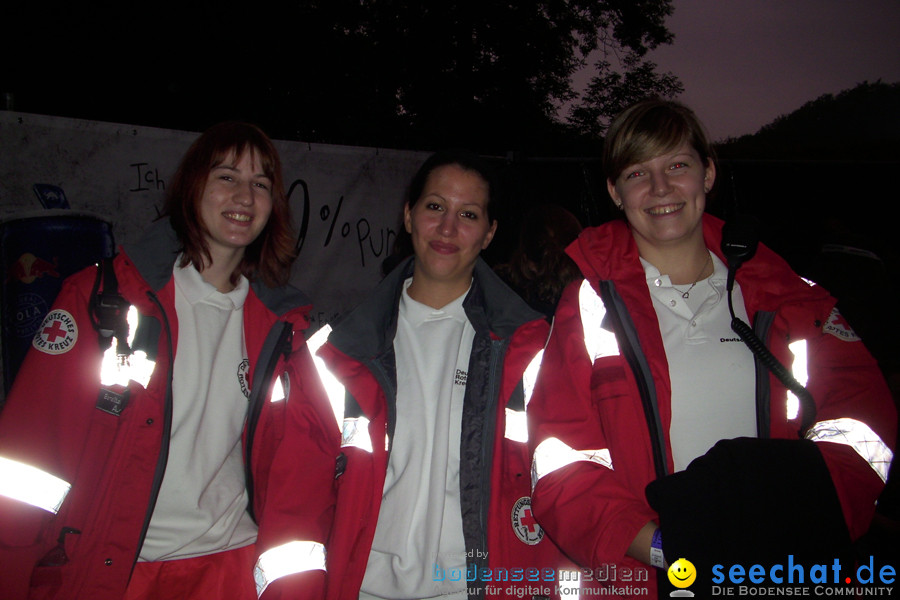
pixel 686 295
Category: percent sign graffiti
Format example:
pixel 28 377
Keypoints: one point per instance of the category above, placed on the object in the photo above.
pixel 324 214
pixel 363 228
pixel 325 211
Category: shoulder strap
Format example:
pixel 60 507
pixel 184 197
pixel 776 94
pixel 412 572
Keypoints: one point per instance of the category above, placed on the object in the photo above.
pixel 109 309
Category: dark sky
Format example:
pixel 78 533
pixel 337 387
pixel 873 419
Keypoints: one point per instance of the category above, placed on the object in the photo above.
pixel 745 62
pixel 742 62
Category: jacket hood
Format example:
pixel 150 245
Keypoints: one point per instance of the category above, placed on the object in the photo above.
pixel 154 256
pixel 609 252
pixel 369 329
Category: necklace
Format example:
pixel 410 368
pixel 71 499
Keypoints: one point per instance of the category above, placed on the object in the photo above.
pixel 687 293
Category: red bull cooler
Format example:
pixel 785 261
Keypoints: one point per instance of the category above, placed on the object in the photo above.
pixel 38 251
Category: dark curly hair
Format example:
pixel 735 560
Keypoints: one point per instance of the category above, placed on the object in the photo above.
pixel 539 268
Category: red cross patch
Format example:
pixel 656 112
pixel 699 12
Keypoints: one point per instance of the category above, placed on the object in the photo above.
pixel 57 333
pixel 243 378
pixel 838 326
pixel 524 524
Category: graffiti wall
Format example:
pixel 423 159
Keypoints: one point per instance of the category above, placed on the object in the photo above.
pixel 346 201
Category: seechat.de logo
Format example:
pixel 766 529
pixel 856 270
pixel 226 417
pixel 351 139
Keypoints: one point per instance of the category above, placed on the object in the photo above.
pixel 797 579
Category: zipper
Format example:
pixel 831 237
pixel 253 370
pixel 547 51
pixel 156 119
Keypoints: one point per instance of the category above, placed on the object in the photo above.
pixel 163 458
pixel 277 344
pixel 761 326
pixel 487 436
pixel 626 334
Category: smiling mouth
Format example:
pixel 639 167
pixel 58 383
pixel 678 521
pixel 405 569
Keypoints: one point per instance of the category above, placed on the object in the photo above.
pixel 665 209
pixel 442 248
pixel 241 218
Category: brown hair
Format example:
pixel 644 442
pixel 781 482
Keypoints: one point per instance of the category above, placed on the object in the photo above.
pixel 271 255
pixel 539 269
pixel 648 129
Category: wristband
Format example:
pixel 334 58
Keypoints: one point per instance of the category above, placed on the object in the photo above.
pixel 657 559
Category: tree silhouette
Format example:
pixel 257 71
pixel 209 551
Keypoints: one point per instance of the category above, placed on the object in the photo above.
pixel 860 123
pixel 490 74
pixel 612 91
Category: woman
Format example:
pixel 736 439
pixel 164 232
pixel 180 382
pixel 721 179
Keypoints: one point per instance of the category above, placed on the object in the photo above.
pixel 643 376
pixel 433 489
pixel 171 451
pixel 539 268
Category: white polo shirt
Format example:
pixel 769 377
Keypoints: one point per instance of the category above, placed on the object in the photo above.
pixel 419 527
pixel 711 370
pixel 202 503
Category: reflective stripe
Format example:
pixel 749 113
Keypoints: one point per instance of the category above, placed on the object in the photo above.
pixel 597 341
pixel 858 436
pixel 800 371
pixel 278 390
pixel 287 559
pixel 333 388
pixel 516 420
pixel 516 426
pixel 355 433
pixel 318 339
pixel 529 377
pixel 552 455
pixel 119 370
pixel 31 485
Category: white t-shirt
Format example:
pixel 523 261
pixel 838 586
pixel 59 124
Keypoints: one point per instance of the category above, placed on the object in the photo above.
pixel 202 503
pixel 419 549
pixel 711 370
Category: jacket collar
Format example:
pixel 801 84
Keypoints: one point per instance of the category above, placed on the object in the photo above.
pixel 369 329
pixel 609 252
pixel 154 256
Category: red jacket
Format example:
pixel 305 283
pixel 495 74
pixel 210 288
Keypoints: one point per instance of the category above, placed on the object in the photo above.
pixel 589 415
pixel 359 353
pixel 113 460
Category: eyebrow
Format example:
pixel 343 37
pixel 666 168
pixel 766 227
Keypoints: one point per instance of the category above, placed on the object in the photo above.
pixel 687 152
pixel 228 167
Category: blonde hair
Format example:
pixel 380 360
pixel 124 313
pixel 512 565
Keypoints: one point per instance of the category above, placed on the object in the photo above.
pixel 648 129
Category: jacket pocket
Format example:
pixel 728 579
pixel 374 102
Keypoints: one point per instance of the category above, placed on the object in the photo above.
pixel 609 380
pixel 47 577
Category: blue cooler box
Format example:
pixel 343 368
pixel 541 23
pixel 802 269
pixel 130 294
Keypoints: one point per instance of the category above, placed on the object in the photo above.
pixel 39 250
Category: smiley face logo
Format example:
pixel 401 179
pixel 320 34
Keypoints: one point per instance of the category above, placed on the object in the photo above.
pixel 682 573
